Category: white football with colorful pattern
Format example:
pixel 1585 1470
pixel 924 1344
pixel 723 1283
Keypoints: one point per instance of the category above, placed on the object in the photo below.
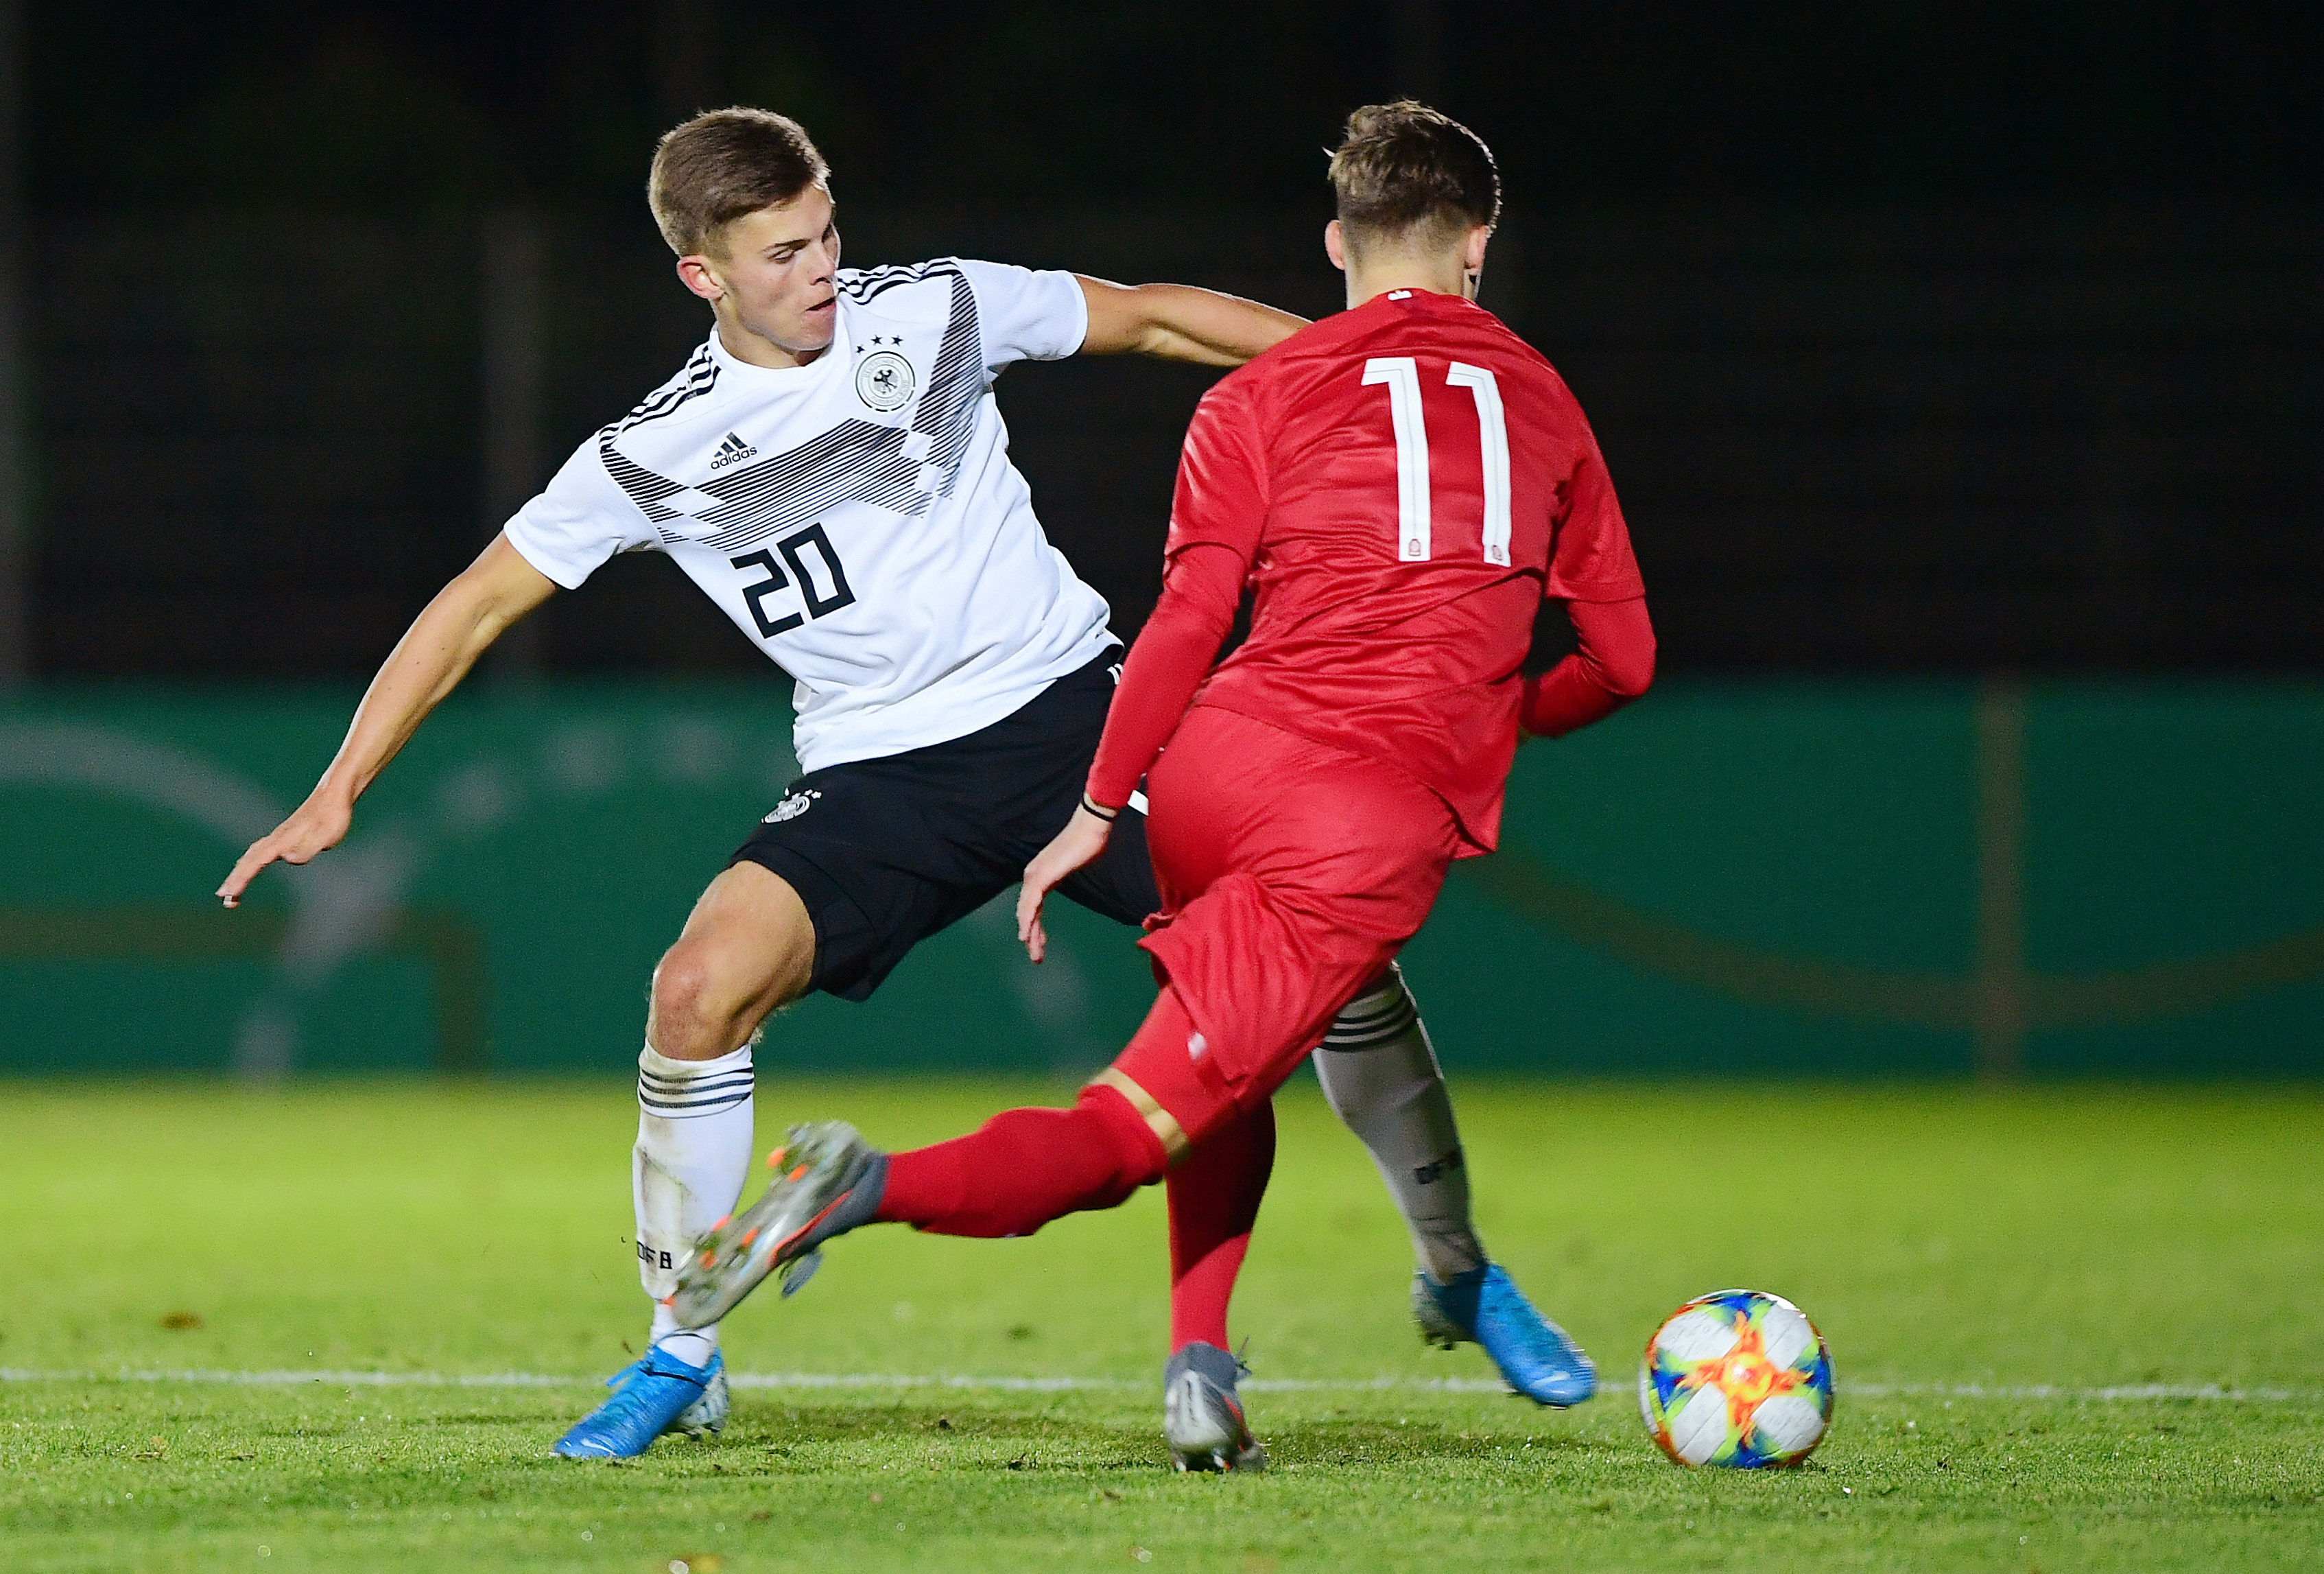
pixel 1739 1379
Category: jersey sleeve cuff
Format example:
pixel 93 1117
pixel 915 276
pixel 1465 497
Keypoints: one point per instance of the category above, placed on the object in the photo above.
pixel 1105 786
pixel 1081 308
pixel 565 576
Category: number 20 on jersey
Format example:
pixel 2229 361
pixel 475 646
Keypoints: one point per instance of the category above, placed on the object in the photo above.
pixel 1402 375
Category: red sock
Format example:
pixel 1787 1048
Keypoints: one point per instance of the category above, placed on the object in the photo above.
pixel 1023 1168
pixel 1214 1197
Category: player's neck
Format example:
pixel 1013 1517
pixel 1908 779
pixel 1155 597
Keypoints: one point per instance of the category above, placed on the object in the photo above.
pixel 1439 275
pixel 754 349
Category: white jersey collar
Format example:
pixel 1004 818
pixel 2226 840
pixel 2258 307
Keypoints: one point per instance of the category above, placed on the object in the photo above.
pixel 747 374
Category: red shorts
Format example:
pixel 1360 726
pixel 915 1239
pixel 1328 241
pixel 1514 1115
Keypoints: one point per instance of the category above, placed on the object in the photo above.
pixel 1291 874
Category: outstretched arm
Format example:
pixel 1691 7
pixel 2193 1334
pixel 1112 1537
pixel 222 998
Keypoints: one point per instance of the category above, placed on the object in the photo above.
pixel 426 664
pixel 1200 587
pixel 1215 520
pixel 1179 323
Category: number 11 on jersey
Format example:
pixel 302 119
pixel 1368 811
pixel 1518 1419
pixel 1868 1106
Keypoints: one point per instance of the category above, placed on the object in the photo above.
pixel 1414 542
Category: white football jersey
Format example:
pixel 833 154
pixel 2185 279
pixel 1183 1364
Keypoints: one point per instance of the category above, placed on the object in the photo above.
pixel 858 516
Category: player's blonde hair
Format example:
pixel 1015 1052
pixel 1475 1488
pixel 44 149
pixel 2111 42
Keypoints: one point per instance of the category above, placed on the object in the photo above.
pixel 1404 172
pixel 721 166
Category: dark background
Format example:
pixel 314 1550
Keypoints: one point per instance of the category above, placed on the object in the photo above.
pixel 1919 336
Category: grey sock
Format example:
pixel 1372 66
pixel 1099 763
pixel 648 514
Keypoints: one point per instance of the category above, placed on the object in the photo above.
pixel 1381 1076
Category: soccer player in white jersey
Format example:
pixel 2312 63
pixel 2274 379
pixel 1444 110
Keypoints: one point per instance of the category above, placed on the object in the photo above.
pixel 832 469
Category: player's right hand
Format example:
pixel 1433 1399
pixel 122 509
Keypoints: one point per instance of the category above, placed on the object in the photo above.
pixel 1080 843
pixel 320 823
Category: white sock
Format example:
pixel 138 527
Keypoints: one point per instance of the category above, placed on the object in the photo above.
pixel 1381 1076
pixel 687 1172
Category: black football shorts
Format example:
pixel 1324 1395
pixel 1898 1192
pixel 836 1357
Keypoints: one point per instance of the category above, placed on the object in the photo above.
pixel 886 852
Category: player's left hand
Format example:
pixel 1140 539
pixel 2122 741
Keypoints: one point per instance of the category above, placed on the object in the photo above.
pixel 1080 843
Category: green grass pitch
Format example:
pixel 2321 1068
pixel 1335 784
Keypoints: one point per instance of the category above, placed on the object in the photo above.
pixel 2074 1329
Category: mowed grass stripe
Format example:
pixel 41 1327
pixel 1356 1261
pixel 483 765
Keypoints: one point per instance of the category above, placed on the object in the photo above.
pixel 2120 1394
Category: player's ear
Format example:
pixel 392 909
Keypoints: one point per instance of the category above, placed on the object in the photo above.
pixel 1335 247
pixel 696 274
pixel 1472 251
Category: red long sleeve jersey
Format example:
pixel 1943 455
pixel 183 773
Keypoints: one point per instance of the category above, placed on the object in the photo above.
pixel 1402 484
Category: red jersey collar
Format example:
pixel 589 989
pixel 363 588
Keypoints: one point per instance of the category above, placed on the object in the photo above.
pixel 1410 299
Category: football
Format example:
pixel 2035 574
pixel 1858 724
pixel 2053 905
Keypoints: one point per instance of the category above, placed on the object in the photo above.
pixel 1739 1379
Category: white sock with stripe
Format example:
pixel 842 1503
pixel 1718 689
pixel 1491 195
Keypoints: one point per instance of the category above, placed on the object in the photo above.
pixel 687 1172
pixel 1381 1076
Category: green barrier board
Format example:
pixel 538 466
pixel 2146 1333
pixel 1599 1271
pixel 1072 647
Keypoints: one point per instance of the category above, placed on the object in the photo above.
pixel 1854 879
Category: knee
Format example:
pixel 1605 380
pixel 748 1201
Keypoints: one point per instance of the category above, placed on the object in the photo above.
pixel 694 1010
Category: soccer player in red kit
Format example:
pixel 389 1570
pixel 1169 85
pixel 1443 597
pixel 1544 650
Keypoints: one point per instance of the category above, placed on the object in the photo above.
pixel 1400 487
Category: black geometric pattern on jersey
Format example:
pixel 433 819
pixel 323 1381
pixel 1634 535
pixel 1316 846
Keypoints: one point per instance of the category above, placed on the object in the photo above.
pixel 697 376
pixel 645 488
pixel 870 282
pixel 856 461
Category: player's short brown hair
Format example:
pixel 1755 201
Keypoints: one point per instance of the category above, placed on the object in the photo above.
pixel 1404 170
pixel 719 166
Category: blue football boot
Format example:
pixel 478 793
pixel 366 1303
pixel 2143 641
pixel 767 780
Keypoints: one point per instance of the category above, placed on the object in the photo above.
pixel 655 1394
pixel 1484 1305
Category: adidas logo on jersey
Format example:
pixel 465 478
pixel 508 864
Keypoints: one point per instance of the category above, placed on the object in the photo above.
pixel 733 451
